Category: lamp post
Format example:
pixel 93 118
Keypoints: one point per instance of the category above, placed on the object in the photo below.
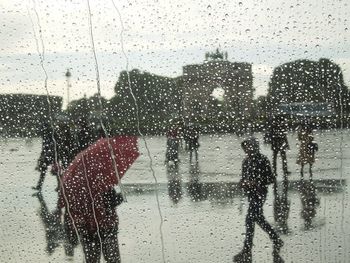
pixel 68 78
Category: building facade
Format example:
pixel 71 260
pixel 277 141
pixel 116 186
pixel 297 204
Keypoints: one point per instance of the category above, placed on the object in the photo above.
pixel 233 80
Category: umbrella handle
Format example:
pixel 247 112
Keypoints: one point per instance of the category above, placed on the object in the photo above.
pixel 123 194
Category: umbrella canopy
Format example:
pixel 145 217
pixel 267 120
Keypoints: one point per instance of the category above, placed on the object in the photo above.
pixel 93 173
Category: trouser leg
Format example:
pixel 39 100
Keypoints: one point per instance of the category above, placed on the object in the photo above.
pixel 71 238
pixel 310 171
pixel 274 161
pixel 302 171
pixel 261 221
pixel 284 162
pixel 255 214
pixel 110 246
pixel 91 247
pixel 250 227
pixel 43 170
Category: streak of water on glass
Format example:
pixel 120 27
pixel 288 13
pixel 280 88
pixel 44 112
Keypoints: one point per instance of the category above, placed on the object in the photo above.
pixel 139 131
pixel 98 84
pixel 92 204
pixel 341 163
pixel 41 53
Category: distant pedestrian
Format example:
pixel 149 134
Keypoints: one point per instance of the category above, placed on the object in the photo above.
pixel 185 136
pixel 256 176
pixel 193 140
pixel 172 145
pixel 66 145
pixel 277 137
pixel 307 148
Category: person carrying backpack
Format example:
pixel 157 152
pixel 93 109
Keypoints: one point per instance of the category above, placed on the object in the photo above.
pixel 256 176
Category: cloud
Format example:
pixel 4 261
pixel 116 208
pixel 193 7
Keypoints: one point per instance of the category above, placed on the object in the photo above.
pixel 161 37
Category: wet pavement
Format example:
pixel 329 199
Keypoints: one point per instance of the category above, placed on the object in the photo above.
pixel 203 212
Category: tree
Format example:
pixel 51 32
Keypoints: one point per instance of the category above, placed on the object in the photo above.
pixel 88 108
pixel 309 81
pixel 154 98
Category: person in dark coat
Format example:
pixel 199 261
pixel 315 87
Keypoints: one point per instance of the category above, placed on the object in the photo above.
pixel 277 137
pixel 307 148
pixel 173 142
pixel 47 154
pixel 65 149
pixel 256 176
pixel 66 145
pixel 193 140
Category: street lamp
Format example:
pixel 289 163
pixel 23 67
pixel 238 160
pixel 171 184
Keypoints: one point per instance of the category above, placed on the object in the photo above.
pixel 68 78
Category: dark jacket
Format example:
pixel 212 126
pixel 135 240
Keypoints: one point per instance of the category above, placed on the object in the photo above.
pixel 256 169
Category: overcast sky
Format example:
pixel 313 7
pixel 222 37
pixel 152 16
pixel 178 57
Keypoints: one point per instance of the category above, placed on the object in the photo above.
pixel 161 37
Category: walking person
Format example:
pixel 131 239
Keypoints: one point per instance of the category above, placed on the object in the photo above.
pixel 307 148
pixel 256 176
pixel 88 196
pixel 47 155
pixel 173 142
pixel 277 137
pixel 66 145
pixel 193 140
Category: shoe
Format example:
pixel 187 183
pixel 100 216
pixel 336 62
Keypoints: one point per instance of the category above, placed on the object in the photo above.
pixel 69 250
pixel 243 257
pixel 277 258
pixel 278 245
pixel 37 188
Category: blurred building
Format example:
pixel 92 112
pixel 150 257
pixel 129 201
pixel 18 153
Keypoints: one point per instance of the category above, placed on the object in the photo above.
pixel 217 87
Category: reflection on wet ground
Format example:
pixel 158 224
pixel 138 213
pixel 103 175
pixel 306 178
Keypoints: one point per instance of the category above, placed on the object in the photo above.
pixel 203 209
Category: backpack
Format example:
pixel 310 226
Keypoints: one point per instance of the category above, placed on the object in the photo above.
pixel 312 146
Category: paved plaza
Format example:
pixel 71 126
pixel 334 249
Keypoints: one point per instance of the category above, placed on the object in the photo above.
pixel 202 213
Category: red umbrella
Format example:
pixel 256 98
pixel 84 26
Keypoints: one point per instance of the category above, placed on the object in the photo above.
pixel 94 172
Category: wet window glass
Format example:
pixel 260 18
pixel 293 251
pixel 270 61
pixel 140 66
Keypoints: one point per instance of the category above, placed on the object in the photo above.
pixel 174 131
